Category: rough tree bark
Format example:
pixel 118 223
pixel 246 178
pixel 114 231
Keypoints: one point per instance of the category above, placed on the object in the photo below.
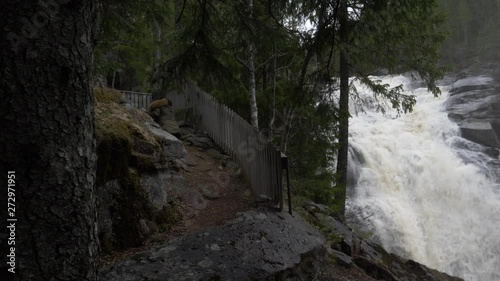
pixel 343 106
pixel 47 121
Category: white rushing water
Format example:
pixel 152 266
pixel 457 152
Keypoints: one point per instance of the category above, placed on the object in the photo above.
pixel 422 196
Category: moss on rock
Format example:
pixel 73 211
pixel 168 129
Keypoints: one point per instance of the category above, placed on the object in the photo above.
pixel 107 95
pixel 113 150
pixel 126 149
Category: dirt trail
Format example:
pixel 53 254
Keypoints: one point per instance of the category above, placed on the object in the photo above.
pixel 224 190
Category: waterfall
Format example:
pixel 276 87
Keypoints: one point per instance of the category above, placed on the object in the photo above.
pixel 421 190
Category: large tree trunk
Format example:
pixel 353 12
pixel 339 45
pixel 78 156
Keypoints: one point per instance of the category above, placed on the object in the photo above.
pixel 343 107
pixel 47 121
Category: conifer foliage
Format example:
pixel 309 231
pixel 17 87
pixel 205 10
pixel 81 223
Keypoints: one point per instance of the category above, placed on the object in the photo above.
pixel 273 63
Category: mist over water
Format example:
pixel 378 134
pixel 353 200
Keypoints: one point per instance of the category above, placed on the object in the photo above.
pixel 424 192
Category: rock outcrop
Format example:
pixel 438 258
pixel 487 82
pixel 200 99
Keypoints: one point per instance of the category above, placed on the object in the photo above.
pixel 351 251
pixel 266 245
pixel 474 104
pixel 135 160
pixel 172 147
pixel 258 245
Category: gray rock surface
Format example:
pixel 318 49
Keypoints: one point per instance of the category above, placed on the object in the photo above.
pixel 341 258
pixel 474 103
pixel 172 146
pixel 200 140
pixel 352 252
pixel 155 187
pixel 177 186
pixel 258 245
pixel 480 132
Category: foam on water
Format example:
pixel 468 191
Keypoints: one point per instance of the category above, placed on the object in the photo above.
pixel 422 195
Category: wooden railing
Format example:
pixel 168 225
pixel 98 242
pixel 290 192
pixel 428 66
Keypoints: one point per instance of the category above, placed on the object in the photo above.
pixel 260 161
pixel 137 99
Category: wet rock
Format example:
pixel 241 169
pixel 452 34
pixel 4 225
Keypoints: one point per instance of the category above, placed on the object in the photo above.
pixel 480 132
pixel 492 152
pixel 469 88
pixel 372 258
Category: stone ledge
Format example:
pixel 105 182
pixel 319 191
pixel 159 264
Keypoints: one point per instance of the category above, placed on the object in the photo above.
pixel 257 245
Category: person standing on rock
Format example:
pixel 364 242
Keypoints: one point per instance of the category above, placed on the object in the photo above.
pixel 162 112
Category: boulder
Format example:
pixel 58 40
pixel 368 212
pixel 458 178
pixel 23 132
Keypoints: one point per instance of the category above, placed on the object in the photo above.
pixel 172 146
pixel 132 170
pixel 258 245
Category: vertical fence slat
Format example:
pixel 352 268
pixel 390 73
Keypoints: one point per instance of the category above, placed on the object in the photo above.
pixel 259 160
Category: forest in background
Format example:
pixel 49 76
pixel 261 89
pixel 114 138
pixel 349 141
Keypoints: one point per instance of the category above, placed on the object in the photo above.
pixel 473 35
pixel 273 62
pixel 256 56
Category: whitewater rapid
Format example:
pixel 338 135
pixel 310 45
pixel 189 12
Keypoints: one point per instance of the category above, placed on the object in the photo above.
pixel 420 194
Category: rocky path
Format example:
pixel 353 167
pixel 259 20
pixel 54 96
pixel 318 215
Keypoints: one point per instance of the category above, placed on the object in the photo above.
pixel 222 236
pixel 224 190
pixel 213 192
